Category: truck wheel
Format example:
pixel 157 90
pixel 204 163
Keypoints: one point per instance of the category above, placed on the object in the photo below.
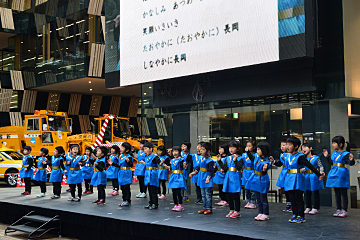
pixel 11 180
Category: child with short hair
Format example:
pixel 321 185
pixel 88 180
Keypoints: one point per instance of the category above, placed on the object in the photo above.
pixel 196 161
pixel 281 179
pixel 74 161
pixel 205 169
pixel 87 170
pixel 177 181
pixel 57 166
pixel 124 164
pixel 151 175
pixel 162 171
pixel 232 166
pixel 140 170
pixel 113 172
pixel 41 175
pixel 247 172
pixel 26 171
pixel 220 175
pixel 312 182
pixel 259 181
pixel 295 179
pixel 339 177
pixel 99 176
pixel 185 154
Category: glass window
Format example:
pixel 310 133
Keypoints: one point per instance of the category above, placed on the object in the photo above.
pixel 57 123
pixel 47 137
pixel 33 125
pixel 12 155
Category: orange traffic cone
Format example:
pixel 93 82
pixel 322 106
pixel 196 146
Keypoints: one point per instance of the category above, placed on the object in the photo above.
pixel 64 182
pixel 135 180
pixel 20 182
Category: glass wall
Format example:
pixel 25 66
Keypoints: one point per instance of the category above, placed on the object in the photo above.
pixel 269 119
pixel 51 42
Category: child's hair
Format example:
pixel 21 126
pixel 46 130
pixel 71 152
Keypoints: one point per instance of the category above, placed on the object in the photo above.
pixel 341 140
pixel 148 145
pixel 44 151
pixel 236 145
pixel 206 145
pixel 89 148
pixel 294 141
pixel 200 143
pixel 75 146
pixel 187 144
pixel 103 150
pixel 176 148
pixel 28 148
pixel 60 149
pixel 116 148
pixel 265 148
pixel 143 142
pixel 283 141
pixel 252 143
pixel 162 149
pixel 309 146
pixel 127 147
pixel 225 147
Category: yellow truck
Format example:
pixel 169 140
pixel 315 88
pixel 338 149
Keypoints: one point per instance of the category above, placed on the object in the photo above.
pixel 43 129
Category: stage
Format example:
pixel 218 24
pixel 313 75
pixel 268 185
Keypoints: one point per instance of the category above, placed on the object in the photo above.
pixel 85 220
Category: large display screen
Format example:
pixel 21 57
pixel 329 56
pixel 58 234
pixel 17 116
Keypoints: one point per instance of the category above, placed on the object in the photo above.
pixel 162 39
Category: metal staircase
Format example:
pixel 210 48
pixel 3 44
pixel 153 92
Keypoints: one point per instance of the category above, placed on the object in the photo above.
pixel 35 225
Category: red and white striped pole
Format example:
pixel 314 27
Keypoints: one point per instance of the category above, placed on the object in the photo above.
pixel 101 133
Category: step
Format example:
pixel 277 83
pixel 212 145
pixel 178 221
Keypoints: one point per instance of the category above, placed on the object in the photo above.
pixel 38 218
pixel 24 228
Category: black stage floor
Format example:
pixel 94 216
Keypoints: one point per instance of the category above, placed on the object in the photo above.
pixel 85 220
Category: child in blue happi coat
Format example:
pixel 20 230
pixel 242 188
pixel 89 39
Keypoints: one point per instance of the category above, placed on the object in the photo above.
pixel 112 172
pixel 185 154
pixel 57 167
pixel 339 177
pixel 220 175
pixel 151 175
pixel 232 165
pixel 312 182
pixel 205 171
pixel 41 175
pixel 162 171
pixel 259 181
pixel 26 171
pixel 75 179
pixel 196 160
pixel 87 170
pixel 177 181
pixel 247 172
pixel 140 170
pixel 124 164
pixel 99 176
pixel 295 179
pixel 281 179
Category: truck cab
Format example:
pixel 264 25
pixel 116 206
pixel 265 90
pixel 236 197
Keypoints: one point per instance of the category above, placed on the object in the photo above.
pixel 47 129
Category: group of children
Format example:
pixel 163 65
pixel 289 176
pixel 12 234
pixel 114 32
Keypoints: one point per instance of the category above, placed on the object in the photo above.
pixel 301 172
